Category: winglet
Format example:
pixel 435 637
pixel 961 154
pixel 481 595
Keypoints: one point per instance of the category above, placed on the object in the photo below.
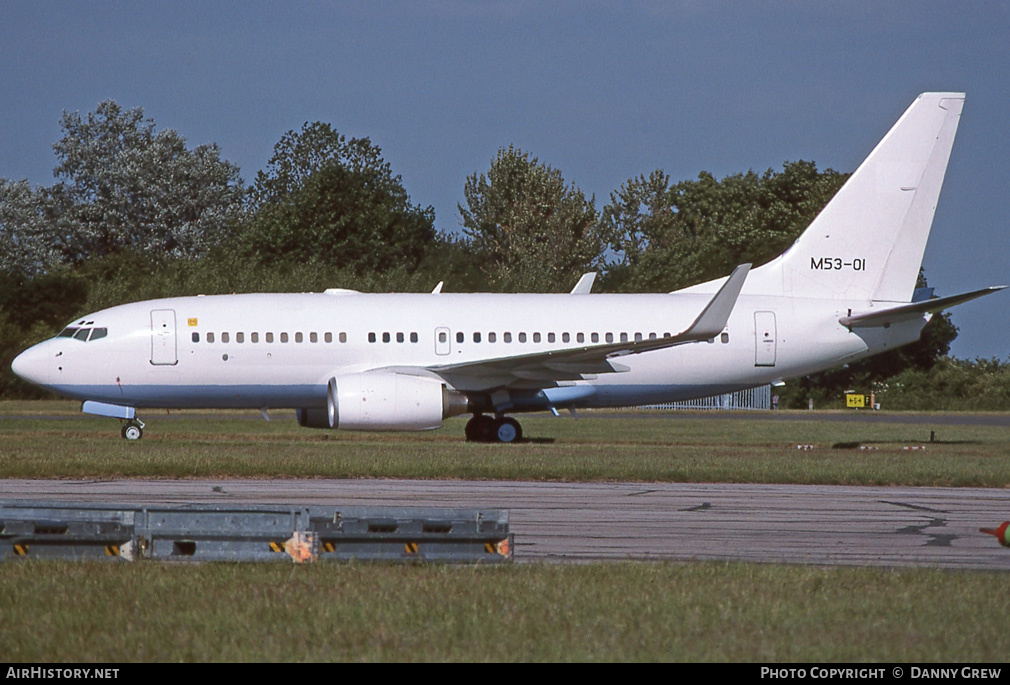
pixel 585 284
pixel 438 288
pixel 714 316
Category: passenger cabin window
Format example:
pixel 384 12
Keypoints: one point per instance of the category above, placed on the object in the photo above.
pixel 196 337
pixel 580 337
pixel 522 337
pixel 459 337
pixel 385 337
pixel 476 337
pixel 724 337
pixel 270 337
pixel 240 337
pixel 550 337
pixel 491 337
pixel 536 337
pixel 224 337
pixel 371 337
pixel 284 337
pixel 507 337
pixel 210 337
pixel 413 337
pixel 313 337
pixel 565 337
pixel 328 337
pixel 254 337
pixel 399 337
pixel 298 337
pixel 595 337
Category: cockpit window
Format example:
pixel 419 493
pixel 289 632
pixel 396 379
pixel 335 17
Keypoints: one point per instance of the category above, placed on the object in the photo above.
pixel 83 334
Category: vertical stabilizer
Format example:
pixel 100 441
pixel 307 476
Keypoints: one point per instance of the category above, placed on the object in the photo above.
pixel 867 243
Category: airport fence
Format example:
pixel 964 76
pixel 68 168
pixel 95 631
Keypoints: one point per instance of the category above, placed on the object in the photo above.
pixel 753 398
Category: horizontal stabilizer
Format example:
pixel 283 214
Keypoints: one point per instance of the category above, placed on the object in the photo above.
pixel 909 312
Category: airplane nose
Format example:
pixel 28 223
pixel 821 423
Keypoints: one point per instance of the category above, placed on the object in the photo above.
pixel 30 365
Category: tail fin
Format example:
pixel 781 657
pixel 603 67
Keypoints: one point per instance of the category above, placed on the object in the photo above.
pixel 867 243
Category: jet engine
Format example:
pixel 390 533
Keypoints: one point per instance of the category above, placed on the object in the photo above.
pixel 384 402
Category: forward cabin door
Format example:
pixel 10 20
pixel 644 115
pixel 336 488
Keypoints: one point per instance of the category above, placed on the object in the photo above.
pixel 164 351
pixel 764 339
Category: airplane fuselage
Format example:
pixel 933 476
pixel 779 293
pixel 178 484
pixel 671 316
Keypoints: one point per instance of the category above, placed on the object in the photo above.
pixel 279 350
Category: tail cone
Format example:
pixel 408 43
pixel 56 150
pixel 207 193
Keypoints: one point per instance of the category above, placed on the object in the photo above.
pixel 1000 533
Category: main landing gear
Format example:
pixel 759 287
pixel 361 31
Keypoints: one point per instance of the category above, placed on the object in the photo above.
pixel 133 429
pixel 483 428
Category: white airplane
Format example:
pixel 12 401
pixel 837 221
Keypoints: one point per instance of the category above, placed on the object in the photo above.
pixel 344 359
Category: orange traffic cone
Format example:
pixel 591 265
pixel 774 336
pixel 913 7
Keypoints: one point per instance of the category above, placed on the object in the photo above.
pixel 1000 533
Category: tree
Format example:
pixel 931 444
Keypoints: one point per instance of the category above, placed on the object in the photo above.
pixel 529 232
pixel 125 187
pixel 670 236
pixel 28 245
pixel 323 197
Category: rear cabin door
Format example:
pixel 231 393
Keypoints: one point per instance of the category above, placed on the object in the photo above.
pixel 163 346
pixel 764 339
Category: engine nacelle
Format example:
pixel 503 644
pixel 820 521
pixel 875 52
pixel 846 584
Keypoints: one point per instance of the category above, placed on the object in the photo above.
pixel 384 402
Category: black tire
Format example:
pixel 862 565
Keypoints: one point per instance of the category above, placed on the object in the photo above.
pixel 480 429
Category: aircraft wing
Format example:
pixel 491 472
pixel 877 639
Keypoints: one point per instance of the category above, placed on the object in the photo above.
pixel 908 312
pixel 544 369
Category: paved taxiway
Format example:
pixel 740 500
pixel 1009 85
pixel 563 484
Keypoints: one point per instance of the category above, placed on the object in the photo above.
pixel 802 524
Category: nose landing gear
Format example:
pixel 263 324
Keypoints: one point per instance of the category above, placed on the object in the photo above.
pixel 483 428
pixel 133 429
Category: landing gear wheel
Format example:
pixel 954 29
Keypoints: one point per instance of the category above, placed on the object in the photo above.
pixel 132 431
pixel 507 429
pixel 479 429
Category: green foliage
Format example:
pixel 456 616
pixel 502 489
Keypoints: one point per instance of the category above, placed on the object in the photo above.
pixel 668 237
pixel 337 202
pixel 122 188
pixel 951 384
pixel 527 230
pixel 125 187
pixel 28 243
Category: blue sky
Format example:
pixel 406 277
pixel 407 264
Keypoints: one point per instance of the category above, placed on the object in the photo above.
pixel 602 91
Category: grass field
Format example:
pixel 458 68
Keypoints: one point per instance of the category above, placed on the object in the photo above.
pixel 202 445
pixel 55 611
